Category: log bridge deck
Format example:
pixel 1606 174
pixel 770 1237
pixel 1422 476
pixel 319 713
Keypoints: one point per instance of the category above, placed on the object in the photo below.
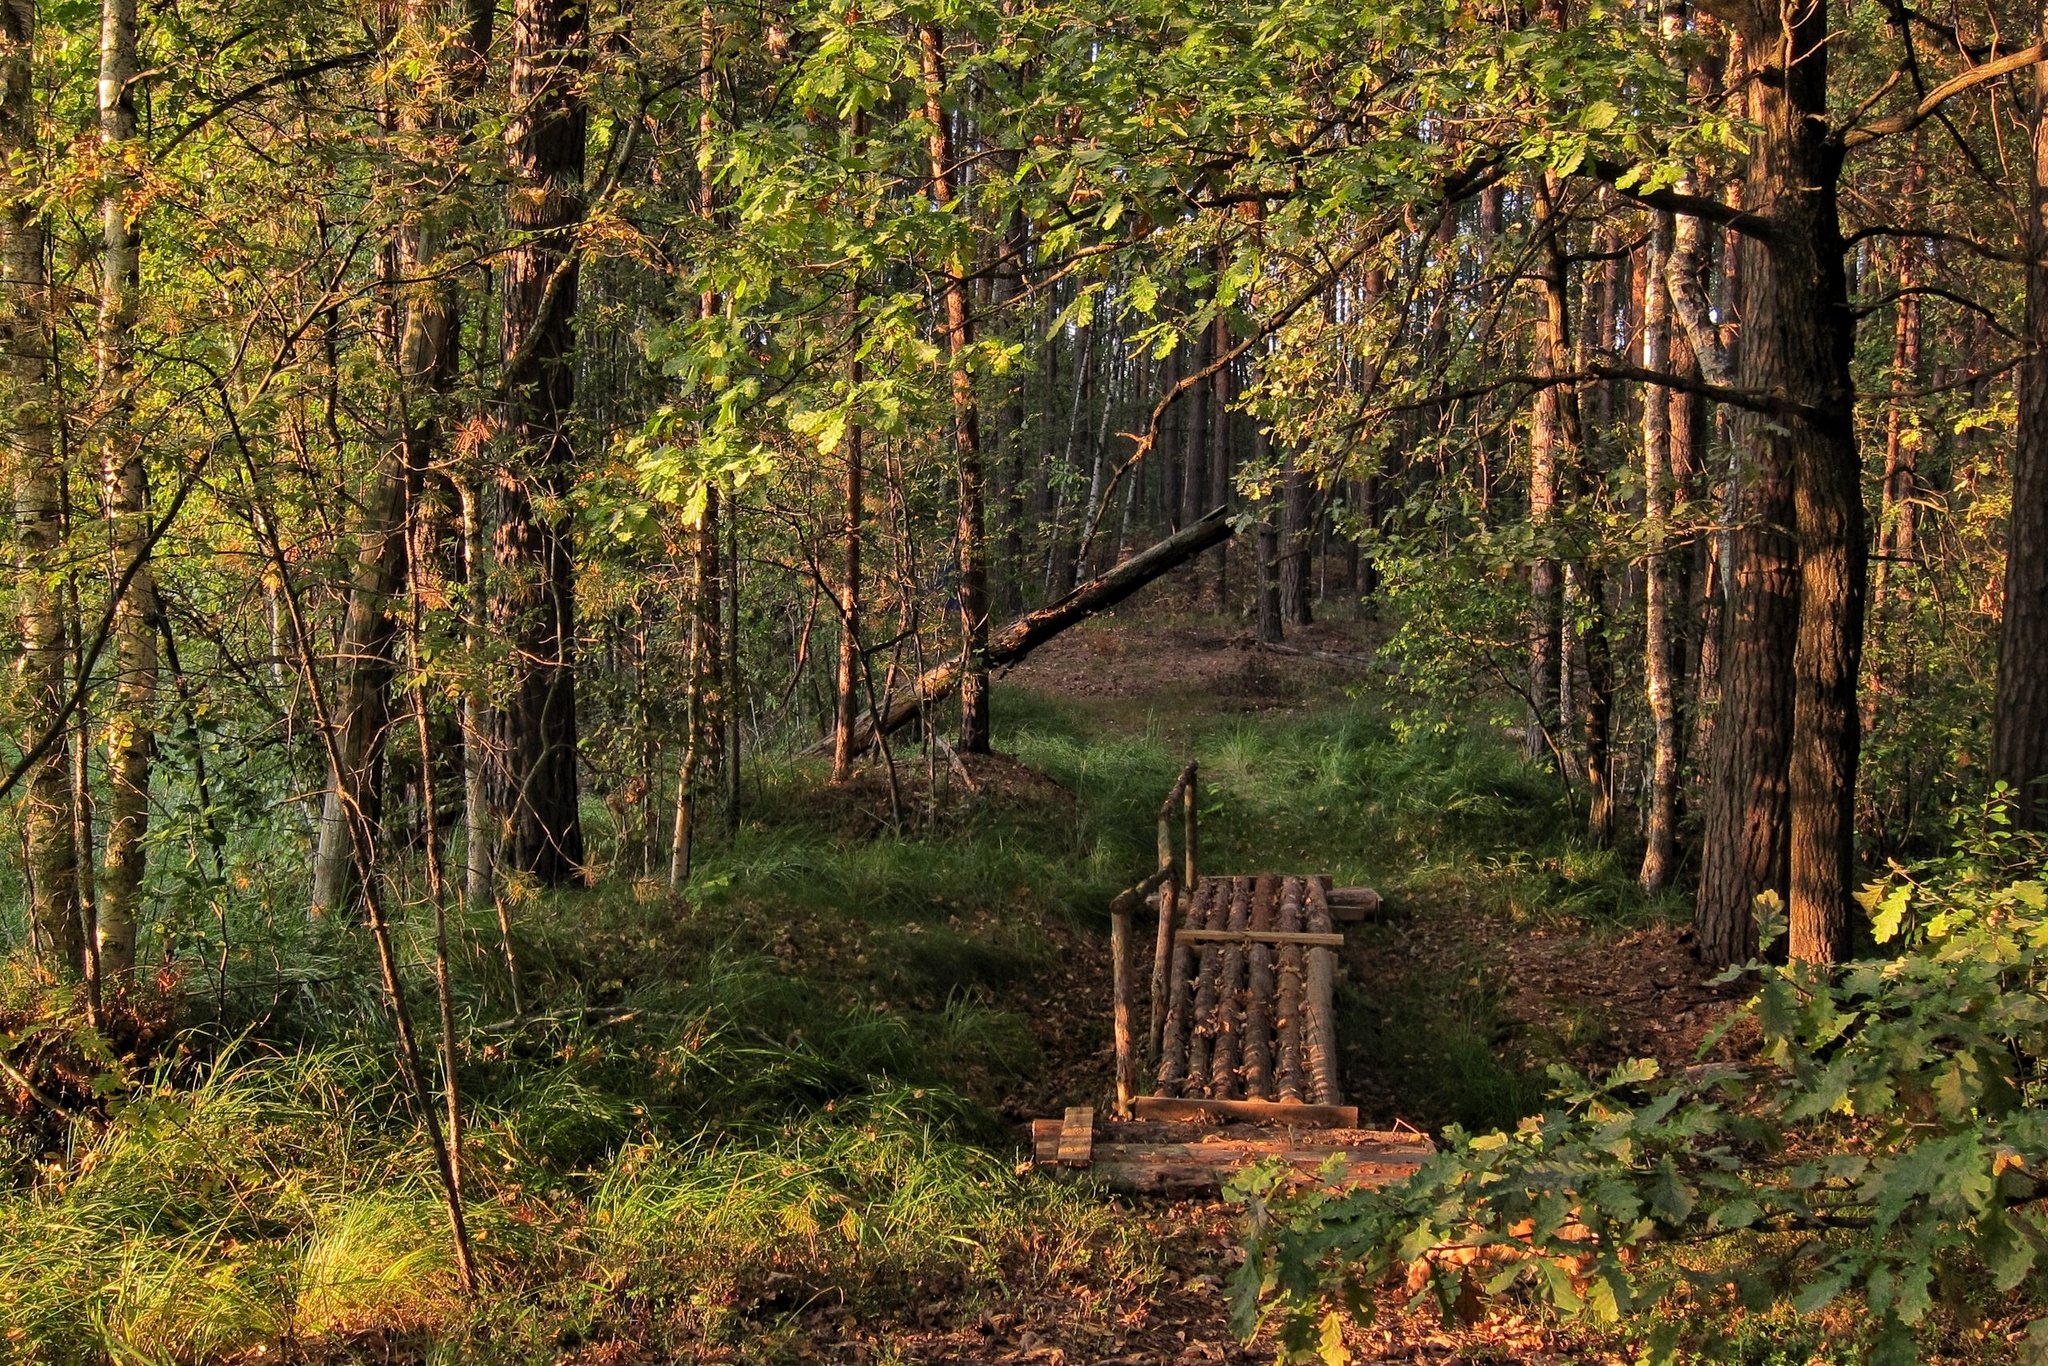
pixel 1241 1041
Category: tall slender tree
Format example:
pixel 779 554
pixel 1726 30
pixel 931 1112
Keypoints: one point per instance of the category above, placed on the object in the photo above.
pixel 970 532
pixel 533 579
pixel 130 723
pixel 27 410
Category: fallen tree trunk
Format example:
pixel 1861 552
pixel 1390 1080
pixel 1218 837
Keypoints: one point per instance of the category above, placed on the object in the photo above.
pixel 1033 629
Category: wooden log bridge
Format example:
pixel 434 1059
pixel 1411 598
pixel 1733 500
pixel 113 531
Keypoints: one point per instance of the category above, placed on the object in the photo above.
pixel 1241 1039
pixel 1250 1010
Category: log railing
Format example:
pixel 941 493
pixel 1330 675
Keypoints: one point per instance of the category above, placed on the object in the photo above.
pixel 1164 886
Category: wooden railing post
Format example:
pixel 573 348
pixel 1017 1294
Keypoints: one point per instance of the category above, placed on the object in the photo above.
pixel 1171 892
pixel 1189 797
pixel 1120 1017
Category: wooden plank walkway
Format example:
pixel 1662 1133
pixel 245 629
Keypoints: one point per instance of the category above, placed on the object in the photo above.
pixel 1241 1043
pixel 1250 1013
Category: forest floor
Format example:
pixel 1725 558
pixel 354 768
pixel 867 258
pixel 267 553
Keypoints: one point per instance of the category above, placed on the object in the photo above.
pixel 783 1120
pixel 1478 974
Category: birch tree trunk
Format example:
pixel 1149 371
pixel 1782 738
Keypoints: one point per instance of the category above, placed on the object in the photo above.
pixel 130 725
pixel 26 409
pixel 1660 853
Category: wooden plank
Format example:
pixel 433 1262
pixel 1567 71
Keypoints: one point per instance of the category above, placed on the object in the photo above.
pixel 1255 1111
pixel 1287 1078
pixel 1259 991
pixel 1120 1008
pixel 1224 1083
pixel 1173 1037
pixel 1077 1135
pixel 1188 1168
pixel 1354 903
pixel 1162 961
pixel 1306 938
pixel 1202 1028
pixel 1174 890
pixel 1320 1035
pixel 1045 1141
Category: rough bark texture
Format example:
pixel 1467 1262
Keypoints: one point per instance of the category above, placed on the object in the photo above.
pixel 971 533
pixel 25 411
pixel 1296 598
pixel 2019 732
pixel 1546 644
pixel 1806 589
pixel 533 604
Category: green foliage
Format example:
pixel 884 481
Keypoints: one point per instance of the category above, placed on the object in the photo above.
pixel 1886 1149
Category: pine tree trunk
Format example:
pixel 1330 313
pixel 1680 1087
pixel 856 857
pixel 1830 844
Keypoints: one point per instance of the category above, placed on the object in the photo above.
pixel 970 533
pixel 533 603
pixel 1194 480
pixel 1785 772
pixel 26 414
pixel 1269 554
pixel 1296 600
pixel 1219 464
pixel 1171 462
pixel 2019 729
pixel 131 736
pixel 1551 453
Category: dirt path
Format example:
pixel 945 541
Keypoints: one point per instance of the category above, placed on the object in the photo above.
pixel 1595 998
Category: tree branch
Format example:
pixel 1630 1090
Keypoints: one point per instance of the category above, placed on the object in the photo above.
pixel 1692 205
pixel 1855 136
pixel 1937 292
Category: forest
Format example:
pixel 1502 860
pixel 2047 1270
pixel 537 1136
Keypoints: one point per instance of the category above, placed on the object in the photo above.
pixel 602 595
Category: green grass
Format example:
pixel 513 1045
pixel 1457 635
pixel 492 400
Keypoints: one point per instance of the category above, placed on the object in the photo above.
pixel 721 1108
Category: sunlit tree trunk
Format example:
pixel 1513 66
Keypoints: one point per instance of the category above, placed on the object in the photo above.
pixel 130 728
pixel 1660 853
pixel 973 584
pixel 1787 740
pixel 26 409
